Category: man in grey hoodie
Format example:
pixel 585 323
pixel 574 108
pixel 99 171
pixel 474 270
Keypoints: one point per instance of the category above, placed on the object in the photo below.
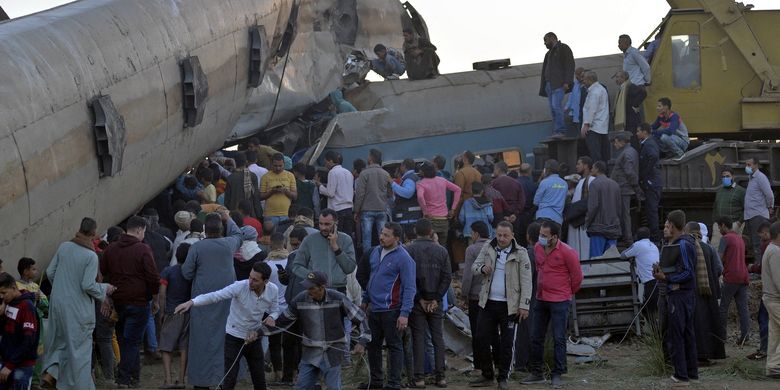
pixel 603 218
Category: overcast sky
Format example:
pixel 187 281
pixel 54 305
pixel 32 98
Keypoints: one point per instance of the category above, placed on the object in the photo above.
pixel 466 31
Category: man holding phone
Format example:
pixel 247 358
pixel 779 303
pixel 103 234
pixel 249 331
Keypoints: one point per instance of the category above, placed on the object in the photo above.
pixel 331 252
pixel 278 190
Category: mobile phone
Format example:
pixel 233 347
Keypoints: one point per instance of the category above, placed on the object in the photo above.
pixel 279 267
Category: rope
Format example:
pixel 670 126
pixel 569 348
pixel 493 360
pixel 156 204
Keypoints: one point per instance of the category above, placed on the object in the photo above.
pixel 362 356
pixel 637 315
pixel 238 357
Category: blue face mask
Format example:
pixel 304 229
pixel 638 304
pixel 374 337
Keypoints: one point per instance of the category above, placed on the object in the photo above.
pixel 749 170
pixel 727 182
pixel 543 241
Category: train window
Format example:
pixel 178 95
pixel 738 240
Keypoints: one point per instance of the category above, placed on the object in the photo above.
pixel 686 61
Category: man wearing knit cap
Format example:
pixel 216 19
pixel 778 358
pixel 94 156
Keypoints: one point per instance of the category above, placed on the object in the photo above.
pixel 249 253
pixel 183 219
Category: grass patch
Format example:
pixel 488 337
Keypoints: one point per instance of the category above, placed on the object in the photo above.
pixel 653 361
pixel 742 369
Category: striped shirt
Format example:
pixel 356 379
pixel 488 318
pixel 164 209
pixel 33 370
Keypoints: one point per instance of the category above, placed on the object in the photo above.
pixel 322 326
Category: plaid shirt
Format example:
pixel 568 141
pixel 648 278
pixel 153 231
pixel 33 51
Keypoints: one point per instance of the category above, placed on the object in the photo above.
pixel 322 325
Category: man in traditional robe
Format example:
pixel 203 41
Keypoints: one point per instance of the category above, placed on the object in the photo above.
pixel 209 266
pixel 578 236
pixel 73 273
pixel 710 332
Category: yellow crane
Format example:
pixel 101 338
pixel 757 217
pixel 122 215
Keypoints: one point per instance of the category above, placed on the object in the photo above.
pixel 717 60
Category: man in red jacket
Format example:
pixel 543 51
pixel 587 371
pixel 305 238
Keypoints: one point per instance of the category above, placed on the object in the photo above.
pixel 735 277
pixel 19 344
pixel 559 276
pixel 129 265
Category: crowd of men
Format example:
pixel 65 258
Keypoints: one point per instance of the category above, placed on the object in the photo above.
pixel 311 267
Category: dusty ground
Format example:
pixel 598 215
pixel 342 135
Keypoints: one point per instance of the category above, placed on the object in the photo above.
pixel 621 370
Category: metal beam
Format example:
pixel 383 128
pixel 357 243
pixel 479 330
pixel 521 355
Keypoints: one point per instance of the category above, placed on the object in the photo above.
pixel 731 16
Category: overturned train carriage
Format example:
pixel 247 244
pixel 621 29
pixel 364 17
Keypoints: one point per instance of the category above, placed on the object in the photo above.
pixel 105 103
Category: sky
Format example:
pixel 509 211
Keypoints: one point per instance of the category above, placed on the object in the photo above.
pixel 465 33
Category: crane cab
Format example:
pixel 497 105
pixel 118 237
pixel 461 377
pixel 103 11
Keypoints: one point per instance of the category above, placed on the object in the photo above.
pixel 717 60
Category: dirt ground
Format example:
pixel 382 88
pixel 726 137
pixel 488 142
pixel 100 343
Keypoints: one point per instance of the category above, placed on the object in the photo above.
pixel 620 370
pixel 621 366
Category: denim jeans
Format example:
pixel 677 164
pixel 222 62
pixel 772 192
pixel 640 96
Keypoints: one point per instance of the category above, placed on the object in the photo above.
pixel 600 244
pixel 383 330
pixel 130 332
pixel 20 379
pixel 309 375
pixel 276 220
pixel 544 314
pixel 555 99
pixel 673 144
pixel 369 219
pixel 763 326
pixel 739 293
pixel 151 331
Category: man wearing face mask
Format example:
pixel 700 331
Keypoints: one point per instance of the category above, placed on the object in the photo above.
pixel 729 202
pixel 759 200
pixel 558 278
pixel 504 299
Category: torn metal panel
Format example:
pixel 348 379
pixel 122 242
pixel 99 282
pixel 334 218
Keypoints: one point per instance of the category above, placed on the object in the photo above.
pixel 316 60
pixel 110 138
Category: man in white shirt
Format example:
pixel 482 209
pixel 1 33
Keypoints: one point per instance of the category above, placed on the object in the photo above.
pixel 340 191
pixel 634 63
pixel 251 299
pixel 251 161
pixel 645 254
pixel 595 118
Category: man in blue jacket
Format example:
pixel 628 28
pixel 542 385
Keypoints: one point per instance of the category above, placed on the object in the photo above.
pixel 389 298
pixel 680 288
pixel 551 194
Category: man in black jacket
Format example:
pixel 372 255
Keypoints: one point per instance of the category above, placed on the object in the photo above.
pixel 433 280
pixel 557 79
pixel 650 177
